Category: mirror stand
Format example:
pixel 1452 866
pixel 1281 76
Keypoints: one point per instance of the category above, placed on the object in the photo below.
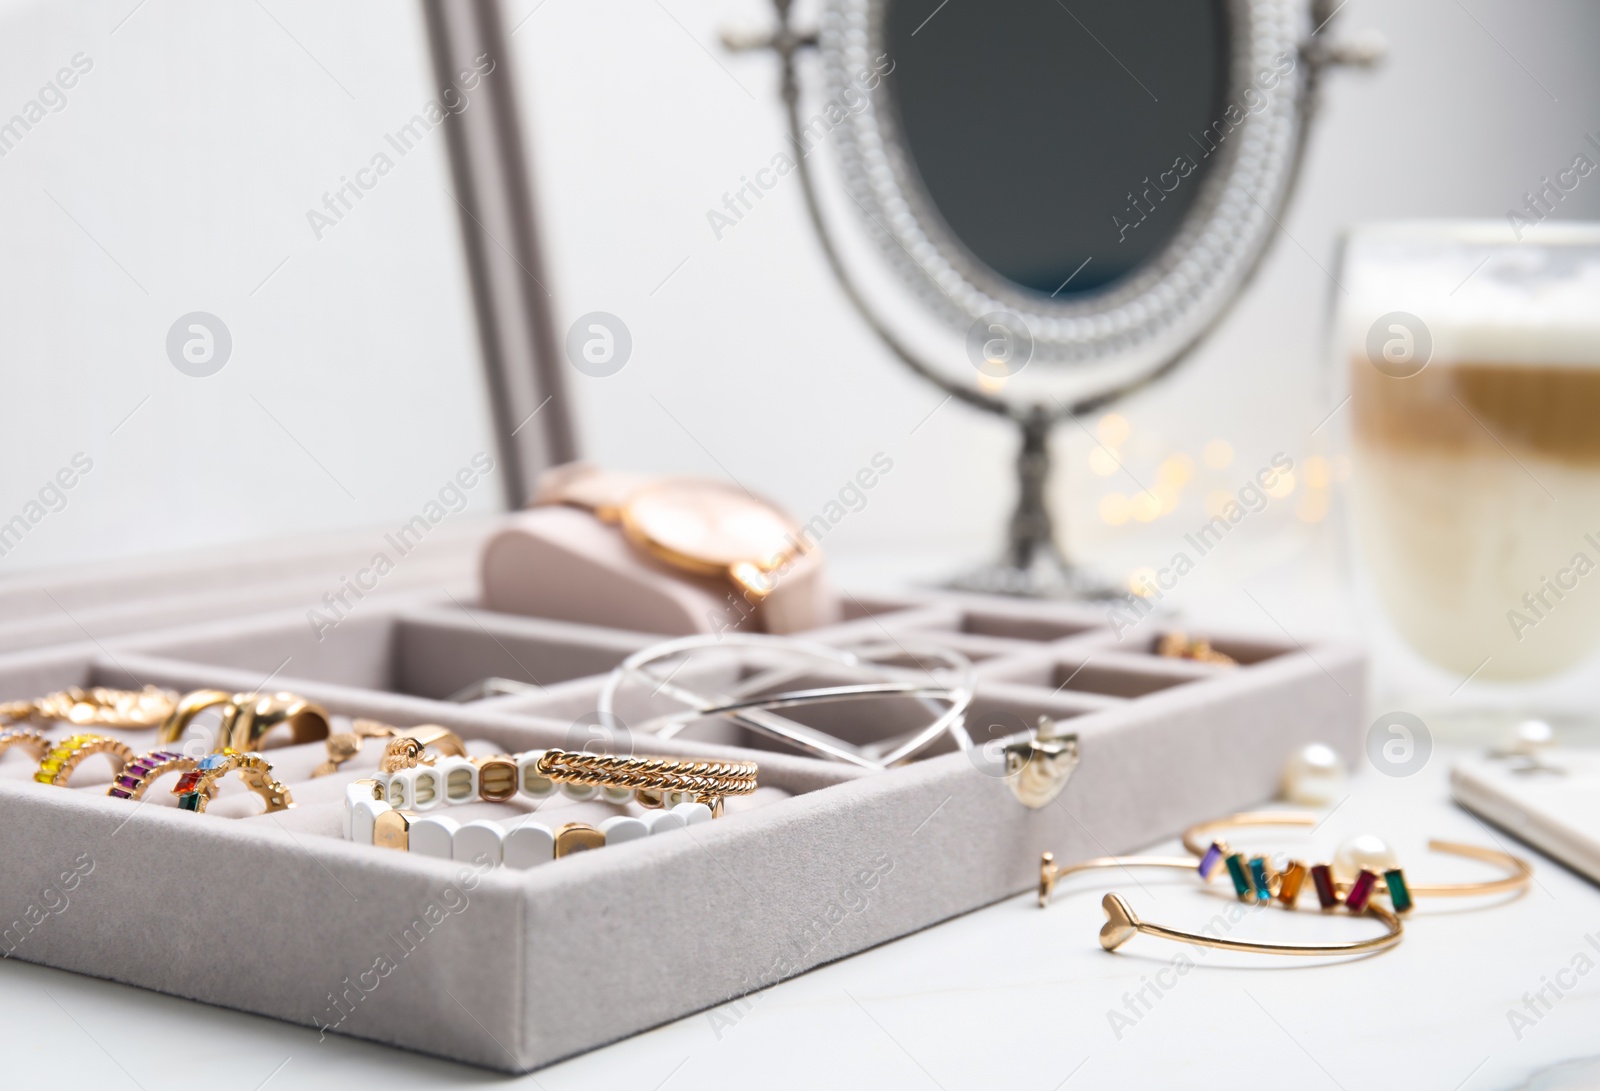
pixel 1033 564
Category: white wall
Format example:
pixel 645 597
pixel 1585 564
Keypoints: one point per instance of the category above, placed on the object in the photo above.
pixel 177 178
pixel 749 362
pixel 185 161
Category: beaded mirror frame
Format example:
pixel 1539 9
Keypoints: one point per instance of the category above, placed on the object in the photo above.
pixel 1136 325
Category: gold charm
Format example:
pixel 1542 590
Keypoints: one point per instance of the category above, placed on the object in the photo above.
pixel 392 830
pixel 1038 769
pixel 577 837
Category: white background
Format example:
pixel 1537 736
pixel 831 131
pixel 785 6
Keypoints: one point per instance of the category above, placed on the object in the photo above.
pixel 177 179
pixel 185 162
pixel 749 361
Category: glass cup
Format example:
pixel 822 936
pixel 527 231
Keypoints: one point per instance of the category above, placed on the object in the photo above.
pixel 1473 359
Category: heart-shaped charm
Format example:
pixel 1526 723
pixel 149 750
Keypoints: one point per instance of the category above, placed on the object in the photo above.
pixel 1121 925
pixel 1037 769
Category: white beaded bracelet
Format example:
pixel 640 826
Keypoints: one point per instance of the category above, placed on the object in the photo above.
pixel 370 820
pixel 452 780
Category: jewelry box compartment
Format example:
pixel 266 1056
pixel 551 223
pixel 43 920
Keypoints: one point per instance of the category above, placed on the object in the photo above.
pixel 281 916
pixel 433 648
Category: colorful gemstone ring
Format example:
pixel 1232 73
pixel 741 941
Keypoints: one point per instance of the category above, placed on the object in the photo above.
pixel 65 756
pixel 196 787
pixel 31 741
pixel 145 770
pixel 1122 924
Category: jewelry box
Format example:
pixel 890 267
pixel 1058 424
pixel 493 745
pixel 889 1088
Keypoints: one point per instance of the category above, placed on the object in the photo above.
pixel 512 970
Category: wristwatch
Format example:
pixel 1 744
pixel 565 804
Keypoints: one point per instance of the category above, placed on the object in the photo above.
pixel 703 527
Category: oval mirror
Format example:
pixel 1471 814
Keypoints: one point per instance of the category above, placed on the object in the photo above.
pixel 1078 188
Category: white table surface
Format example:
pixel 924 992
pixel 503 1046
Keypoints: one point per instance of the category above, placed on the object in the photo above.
pixel 1007 997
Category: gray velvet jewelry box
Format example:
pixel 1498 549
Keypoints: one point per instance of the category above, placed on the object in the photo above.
pixel 513 970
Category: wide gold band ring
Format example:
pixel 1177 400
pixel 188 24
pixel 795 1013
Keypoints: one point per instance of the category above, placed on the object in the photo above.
pixel 246 718
pixel 256 715
pixel 188 707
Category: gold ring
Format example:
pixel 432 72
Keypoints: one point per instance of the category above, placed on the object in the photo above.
pixel 1177 645
pixel 188 707
pixel 145 770
pixel 31 741
pixel 1520 871
pixel 65 756
pixel 256 715
pixel 408 749
pixel 196 787
pixel 1122 924
pixel 344 745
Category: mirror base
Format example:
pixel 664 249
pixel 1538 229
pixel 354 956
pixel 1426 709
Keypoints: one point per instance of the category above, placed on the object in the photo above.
pixel 1035 566
pixel 1054 578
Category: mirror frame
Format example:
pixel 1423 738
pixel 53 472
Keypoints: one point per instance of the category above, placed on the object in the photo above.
pixel 1138 325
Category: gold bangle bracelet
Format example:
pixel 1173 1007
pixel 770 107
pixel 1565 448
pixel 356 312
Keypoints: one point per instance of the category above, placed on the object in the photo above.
pixel 1196 839
pixel 65 756
pixel 1122 924
pixel 31 741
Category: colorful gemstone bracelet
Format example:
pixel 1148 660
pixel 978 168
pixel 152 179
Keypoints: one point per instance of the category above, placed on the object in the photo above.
pixel 1362 867
pixel 1122 924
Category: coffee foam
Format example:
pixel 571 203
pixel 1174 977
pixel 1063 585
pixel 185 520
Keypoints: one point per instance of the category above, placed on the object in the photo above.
pixel 1484 297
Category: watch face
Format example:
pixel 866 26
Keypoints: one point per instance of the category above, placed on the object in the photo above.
pixel 711 524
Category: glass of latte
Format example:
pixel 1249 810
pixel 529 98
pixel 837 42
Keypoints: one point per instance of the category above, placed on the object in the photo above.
pixel 1473 358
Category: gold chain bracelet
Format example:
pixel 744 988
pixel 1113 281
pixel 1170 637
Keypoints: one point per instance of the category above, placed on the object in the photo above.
pixel 98 706
pixel 706 780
